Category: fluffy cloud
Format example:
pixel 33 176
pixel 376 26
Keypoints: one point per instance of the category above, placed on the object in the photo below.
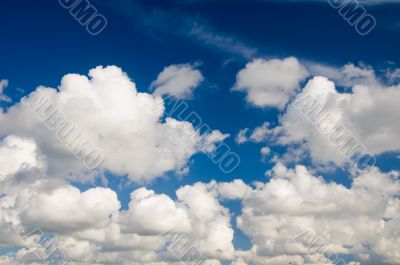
pixel 369 114
pixel 18 153
pixel 365 118
pixel 270 83
pixel 90 227
pixel 358 220
pixel 236 189
pixel 124 124
pixel 67 209
pixel 151 213
pixel 178 80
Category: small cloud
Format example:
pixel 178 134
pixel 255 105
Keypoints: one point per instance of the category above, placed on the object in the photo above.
pixel 179 80
pixel 3 85
pixel 270 83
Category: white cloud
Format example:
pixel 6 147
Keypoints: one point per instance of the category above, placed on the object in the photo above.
pixel 16 154
pixel 241 137
pixel 67 209
pixel 270 83
pixel 153 214
pixel 92 229
pixel 370 113
pixel 347 75
pixel 122 122
pixel 3 85
pixel 236 189
pixel 259 134
pixel 179 80
pixel 359 220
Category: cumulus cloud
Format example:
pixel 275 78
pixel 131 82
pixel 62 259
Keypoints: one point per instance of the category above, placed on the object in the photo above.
pixel 178 80
pixel 369 114
pixel 67 209
pixel 124 124
pixel 270 83
pixel 357 221
pixel 91 227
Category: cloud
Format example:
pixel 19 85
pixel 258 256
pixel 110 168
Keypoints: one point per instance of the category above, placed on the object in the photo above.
pixel 3 85
pixel 18 153
pixel 369 114
pixel 236 189
pixel 259 134
pixel 90 227
pixel 270 83
pixel 348 75
pixel 179 80
pixel 366 114
pixel 159 22
pixel 206 34
pixel 358 221
pixel 154 214
pixel 67 209
pixel 124 124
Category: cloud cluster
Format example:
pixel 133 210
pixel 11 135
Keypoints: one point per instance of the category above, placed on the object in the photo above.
pixel 91 227
pixel 367 114
pixel 358 221
pixel 126 125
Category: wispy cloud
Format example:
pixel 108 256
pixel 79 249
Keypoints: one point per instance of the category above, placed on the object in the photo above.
pixel 160 22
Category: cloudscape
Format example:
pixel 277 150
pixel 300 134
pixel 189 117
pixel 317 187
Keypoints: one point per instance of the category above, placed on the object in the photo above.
pixel 200 132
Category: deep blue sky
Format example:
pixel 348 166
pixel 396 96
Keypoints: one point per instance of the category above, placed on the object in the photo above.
pixel 41 42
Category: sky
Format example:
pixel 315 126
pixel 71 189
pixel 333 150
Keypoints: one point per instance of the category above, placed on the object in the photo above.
pixel 200 131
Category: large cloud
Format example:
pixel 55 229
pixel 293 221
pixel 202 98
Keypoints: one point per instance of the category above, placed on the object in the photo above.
pixel 364 118
pixel 369 114
pixel 91 228
pixel 359 220
pixel 124 124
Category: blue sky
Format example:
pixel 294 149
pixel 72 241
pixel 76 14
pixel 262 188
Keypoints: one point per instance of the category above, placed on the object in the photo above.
pixel 42 42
